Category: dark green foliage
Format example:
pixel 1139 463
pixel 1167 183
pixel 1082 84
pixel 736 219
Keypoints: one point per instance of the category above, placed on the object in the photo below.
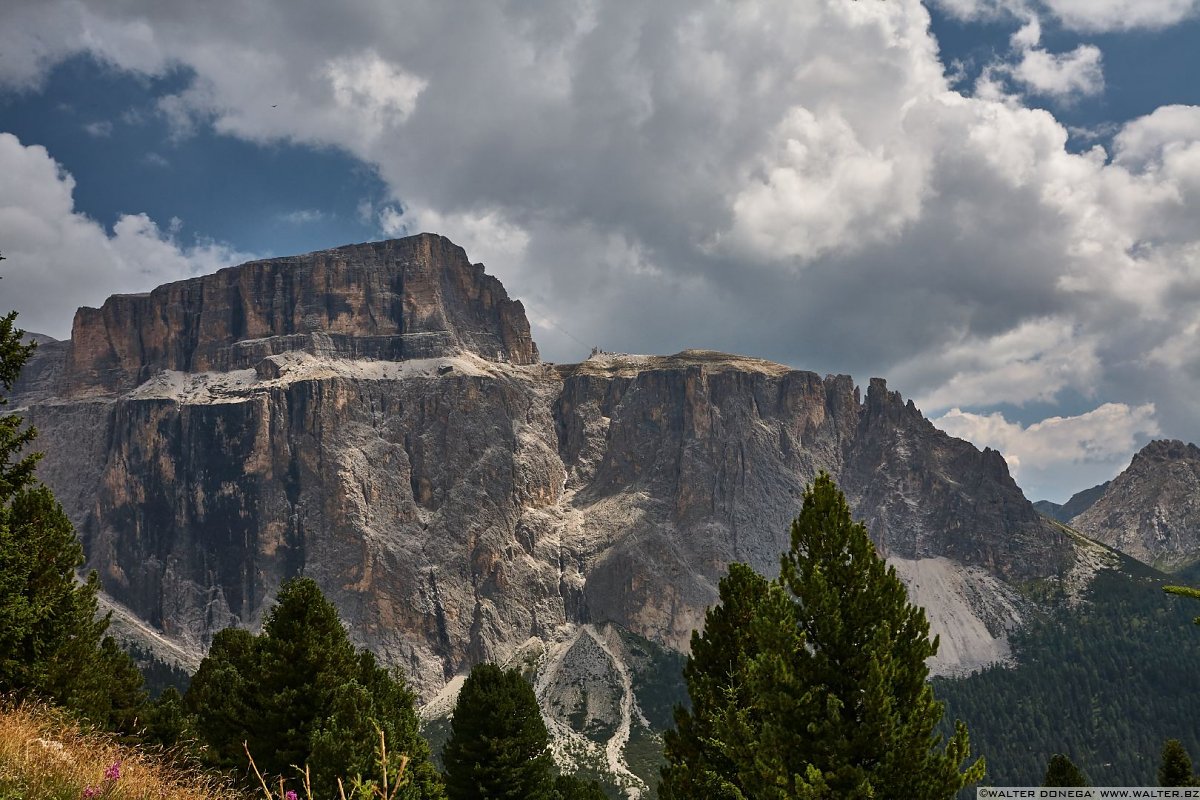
pixel 300 694
pixel 52 645
pixel 1061 771
pixel 168 724
pixel 375 701
pixel 16 467
pixel 571 787
pixel 656 673
pixel 814 686
pixel 111 691
pixel 303 658
pixel 702 756
pixel 158 675
pixel 223 697
pixel 1175 768
pixel 48 628
pixel 1107 680
pixel 498 741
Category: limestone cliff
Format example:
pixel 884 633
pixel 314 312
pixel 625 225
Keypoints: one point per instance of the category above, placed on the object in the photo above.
pixel 1151 511
pixel 376 417
pixel 410 298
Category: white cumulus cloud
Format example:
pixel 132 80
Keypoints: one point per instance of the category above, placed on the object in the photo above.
pixel 58 259
pixel 1100 440
pixel 1078 72
pixel 1115 15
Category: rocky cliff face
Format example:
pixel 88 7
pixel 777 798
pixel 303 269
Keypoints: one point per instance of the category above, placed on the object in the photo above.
pixel 410 298
pixel 1151 511
pixel 376 417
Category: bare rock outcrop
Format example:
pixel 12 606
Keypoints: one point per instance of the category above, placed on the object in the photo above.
pixel 1151 511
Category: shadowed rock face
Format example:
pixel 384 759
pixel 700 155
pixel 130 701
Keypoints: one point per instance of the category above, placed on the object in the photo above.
pixel 459 502
pixel 410 298
pixel 1151 511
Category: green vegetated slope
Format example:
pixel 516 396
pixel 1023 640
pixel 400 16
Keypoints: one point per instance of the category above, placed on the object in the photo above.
pixel 157 675
pixel 1105 682
pixel 659 687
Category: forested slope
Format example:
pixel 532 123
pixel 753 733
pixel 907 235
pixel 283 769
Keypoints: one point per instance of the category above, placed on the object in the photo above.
pixel 1105 681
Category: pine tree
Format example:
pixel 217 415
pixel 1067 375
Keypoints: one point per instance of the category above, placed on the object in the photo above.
pixel 498 742
pixel 1061 771
pixel 375 702
pixel 1176 766
pixel 52 642
pixel 702 752
pixel 825 694
pixel 223 698
pixel 16 465
pixel 299 694
pixel 169 726
pixel 304 655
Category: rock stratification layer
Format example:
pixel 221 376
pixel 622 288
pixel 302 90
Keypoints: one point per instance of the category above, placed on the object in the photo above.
pixel 376 417
pixel 1151 511
pixel 409 298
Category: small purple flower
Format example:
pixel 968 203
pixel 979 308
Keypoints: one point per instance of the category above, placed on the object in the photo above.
pixel 290 795
pixel 113 772
pixel 91 791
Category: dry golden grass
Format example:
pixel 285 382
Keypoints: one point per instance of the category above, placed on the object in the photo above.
pixel 45 756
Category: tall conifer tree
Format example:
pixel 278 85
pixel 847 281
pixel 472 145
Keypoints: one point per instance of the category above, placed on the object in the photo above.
pixel 299 694
pixel 52 641
pixel 826 695
pixel 704 753
pixel 16 468
pixel 1061 771
pixel 1175 769
pixel 498 741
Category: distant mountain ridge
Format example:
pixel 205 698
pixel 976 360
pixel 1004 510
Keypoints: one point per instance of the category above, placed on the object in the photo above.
pixel 1080 501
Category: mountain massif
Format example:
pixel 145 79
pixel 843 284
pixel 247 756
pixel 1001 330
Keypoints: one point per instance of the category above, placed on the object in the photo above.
pixel 377 417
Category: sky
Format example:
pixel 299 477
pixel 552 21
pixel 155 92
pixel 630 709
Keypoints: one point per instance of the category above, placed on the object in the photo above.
pixel 994 204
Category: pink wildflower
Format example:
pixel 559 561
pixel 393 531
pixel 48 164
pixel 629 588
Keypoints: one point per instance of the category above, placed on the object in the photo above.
pixel 113 772
pixel 91 791
pixel 290 795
